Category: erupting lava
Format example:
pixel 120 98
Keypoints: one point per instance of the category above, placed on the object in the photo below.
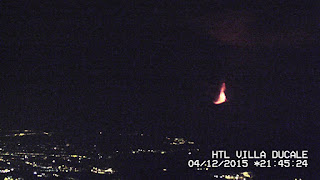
pixel 222 97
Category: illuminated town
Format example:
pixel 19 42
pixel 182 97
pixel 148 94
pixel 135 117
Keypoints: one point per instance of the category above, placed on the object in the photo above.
pixel 31 154
pixel 26 154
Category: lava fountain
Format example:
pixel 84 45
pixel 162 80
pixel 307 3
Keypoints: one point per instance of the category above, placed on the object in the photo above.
pixel 222 97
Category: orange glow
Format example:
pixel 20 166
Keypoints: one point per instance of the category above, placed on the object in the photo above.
pixel 222 97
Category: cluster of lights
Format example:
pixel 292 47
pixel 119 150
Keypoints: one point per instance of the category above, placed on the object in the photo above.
pixel 23 133
pixel 40 175
pixel 31 154
pixel 64 168
pixel 102 171
pixel 47 169
pixel 147 151
pixel 11 178
pixel 4 171
pixel 78 156
pixel 243 176
pixel 179 141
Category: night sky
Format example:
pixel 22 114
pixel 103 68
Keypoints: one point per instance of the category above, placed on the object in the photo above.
pixel 156 67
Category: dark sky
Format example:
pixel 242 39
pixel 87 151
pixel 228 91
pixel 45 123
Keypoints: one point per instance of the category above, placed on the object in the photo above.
pixel 157 65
